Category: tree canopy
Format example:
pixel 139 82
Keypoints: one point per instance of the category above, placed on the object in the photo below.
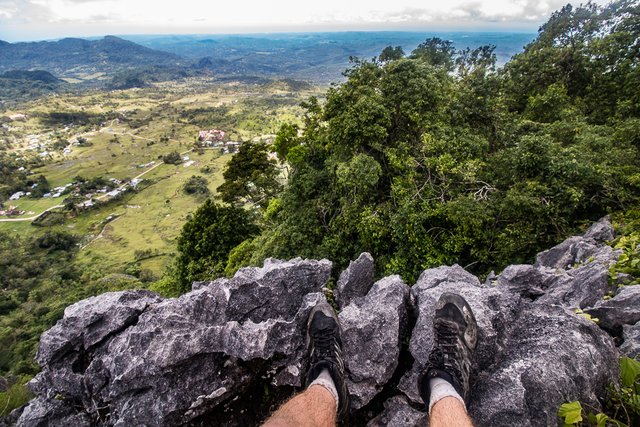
pixel 439 157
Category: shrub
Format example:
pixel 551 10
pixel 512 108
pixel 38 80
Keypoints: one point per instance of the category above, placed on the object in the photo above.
pixel 173 158
pixel 196 185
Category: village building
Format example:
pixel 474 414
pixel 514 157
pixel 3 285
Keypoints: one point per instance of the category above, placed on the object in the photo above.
pixel 211 135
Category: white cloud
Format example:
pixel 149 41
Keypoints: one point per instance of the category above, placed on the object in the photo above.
pixel 140 16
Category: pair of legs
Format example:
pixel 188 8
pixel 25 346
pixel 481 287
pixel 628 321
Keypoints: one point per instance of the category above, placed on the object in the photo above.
pixel 317 407
pixel 443 386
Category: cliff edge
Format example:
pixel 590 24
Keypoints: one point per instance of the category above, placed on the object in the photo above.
pixel 231 350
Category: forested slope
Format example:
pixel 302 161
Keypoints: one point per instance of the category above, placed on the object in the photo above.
pixel 437 157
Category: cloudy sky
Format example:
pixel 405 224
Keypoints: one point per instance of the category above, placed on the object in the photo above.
pixel 46 19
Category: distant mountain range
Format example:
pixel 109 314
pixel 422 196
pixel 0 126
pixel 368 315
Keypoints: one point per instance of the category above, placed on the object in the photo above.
pixel 20 85
pixel 317 57
pixel 74 57
pixel 33 76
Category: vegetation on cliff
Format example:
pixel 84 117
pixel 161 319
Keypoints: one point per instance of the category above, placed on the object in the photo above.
pixel 438 158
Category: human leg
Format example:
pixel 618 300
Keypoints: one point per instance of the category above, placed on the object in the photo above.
pixel 444 386
pixel 326 398
pixel 448 412
pixel 314 407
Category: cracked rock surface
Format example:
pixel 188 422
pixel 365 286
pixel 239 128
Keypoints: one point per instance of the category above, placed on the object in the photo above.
pixel 231 350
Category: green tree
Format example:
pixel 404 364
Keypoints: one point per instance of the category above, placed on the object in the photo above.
pixel 206 240
pixel 391 53
pixel 172 158
pixel 286 139
pixel 250 177
pixel 196 185
pixel 437 52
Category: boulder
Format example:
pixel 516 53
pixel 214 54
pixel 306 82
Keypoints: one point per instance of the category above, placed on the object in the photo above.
pixel 631 345
pixel 622 309
pixel 580 249
pixel 171 361
pixel 232 350
pixel 578 287
pixel 560 256
pixel 356 280
pixel 41 412
pixel 87 323
pixel 601 231
pixel 397 412
pixel 551 356
pixel 373 328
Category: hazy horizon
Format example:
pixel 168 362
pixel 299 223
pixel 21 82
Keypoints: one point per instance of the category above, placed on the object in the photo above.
pixel 258 34
pixel 36 20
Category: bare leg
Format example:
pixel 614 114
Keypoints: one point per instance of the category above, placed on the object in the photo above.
pixel 449 412
pixel 314 407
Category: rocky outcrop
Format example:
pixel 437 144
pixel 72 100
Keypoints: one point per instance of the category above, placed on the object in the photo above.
pixel 231 350
pixel 356 280
pixel 631 345
pixel 622 309
pixel 373 327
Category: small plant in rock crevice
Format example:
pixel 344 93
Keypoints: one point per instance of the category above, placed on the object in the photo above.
pixel 623 408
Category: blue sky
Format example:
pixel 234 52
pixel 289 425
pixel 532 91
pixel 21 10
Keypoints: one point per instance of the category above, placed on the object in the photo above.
pixel 22 20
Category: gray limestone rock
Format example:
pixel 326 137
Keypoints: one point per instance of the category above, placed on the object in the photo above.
pixel 601 231
pixel 274 290
pixel 574 288
pixel 90 321
pixel 397 412
pixel 492 308
pixel 525 280
pixel 148 361
pixel 356 280
pixel 622 309
pixel 205 358
pixel 553 357
pixel 580 249
pixel 53 413
pixel 373 328
pixel 560 256
pixel 631 345
pixel 579 287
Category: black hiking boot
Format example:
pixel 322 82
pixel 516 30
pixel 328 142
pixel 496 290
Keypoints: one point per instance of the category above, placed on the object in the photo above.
pixel 455 337
pixel 324 346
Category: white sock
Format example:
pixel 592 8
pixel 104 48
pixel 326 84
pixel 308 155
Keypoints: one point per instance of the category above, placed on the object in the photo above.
pixel 324 379
pixel 441 389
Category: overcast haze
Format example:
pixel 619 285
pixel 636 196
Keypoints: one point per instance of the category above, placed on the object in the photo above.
pixel 22 20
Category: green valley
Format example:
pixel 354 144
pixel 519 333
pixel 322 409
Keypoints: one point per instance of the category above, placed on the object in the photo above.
pixel 115 165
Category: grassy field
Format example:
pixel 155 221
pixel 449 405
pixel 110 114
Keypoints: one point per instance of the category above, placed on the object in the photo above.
pixel 150 123
pixel 151 219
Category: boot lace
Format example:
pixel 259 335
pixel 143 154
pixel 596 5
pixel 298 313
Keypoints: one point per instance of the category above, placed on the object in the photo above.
pixel 446 354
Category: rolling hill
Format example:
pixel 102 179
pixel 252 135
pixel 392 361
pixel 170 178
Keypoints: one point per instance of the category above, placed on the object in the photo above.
pixel 72 57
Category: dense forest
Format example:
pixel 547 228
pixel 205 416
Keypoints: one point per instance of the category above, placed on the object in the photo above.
pixel 437 157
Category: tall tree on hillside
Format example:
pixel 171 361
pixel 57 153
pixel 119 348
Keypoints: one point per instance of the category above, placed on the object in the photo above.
pixel 250 177
pixel 391 53
pixel 437 52
pixel 206 240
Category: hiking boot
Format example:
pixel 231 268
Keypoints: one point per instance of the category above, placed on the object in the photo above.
pixel 324 346
pixel 455 337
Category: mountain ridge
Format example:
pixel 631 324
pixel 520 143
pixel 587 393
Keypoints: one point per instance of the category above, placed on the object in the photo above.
pixel 71 56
